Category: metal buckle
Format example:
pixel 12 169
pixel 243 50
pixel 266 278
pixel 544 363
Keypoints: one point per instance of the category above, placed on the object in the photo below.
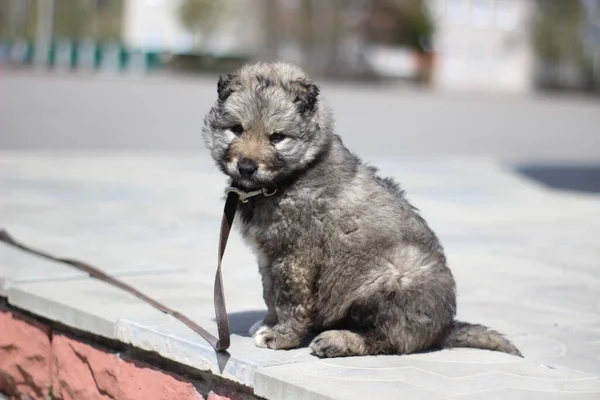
pixel 267 194
pixel 244 196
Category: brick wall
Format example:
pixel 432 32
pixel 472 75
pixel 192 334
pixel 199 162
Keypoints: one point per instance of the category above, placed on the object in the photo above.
pixel 38 363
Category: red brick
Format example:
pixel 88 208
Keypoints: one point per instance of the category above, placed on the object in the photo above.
pixel 83 372
pixel 139 381
pixel 25 353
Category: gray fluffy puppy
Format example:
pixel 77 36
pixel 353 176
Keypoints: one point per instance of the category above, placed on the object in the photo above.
pixel 340 250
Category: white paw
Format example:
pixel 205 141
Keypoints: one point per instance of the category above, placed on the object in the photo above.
pixel 254 328
pixel 263 336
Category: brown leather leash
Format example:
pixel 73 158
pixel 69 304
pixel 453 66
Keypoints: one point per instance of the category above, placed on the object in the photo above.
pixel 219 344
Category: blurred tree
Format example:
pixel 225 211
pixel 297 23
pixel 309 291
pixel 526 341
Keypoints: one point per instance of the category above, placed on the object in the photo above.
pixel 100 20
pixel 557 30
pixel 108 19
pixel 201 18
pixel 271 23
pixel 401 22
pixel 558 41
pixel 406 23
pixel 307 34
pixel 17 19
pixel 72 18
pixel 6 19
pixel 330 35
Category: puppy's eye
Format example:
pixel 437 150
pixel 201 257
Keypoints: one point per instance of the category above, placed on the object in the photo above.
pixel 237 129
pixel 276 137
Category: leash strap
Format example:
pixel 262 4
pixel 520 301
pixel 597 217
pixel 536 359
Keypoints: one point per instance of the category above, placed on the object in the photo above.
pixel 219 344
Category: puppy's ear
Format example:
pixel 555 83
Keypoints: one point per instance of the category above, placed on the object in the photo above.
pixel 306 95
pixel 225 86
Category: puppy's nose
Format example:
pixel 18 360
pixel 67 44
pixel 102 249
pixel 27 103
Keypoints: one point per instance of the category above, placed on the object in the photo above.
pixel 247 167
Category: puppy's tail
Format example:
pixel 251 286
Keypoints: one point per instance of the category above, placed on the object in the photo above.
pixel 463 334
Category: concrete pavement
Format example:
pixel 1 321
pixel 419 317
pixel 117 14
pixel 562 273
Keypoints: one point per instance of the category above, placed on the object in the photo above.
pixel 525 258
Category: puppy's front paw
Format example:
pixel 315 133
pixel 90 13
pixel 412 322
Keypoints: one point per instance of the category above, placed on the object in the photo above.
pixel 277 337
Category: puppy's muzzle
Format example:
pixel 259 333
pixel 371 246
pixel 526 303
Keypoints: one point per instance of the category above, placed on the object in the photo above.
pixel 246 167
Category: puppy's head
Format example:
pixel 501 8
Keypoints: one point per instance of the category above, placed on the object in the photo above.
pixel 266 125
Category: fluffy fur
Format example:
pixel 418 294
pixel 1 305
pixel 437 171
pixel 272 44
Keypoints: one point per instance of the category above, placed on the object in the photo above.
pixel 340 250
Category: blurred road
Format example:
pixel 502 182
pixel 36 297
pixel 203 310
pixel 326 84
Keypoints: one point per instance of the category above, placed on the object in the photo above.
pixel 71 112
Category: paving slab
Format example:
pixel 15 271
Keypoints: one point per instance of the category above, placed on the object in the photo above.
pixel 108 211
pixel 525 258
pixel 437 375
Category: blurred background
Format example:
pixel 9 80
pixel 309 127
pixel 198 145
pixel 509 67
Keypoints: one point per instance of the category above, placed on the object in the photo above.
pixel 515 46
pixel 516 80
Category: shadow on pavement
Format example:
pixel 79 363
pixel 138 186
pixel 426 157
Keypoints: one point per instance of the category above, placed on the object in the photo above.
pixel 581 178
pixel 240 322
